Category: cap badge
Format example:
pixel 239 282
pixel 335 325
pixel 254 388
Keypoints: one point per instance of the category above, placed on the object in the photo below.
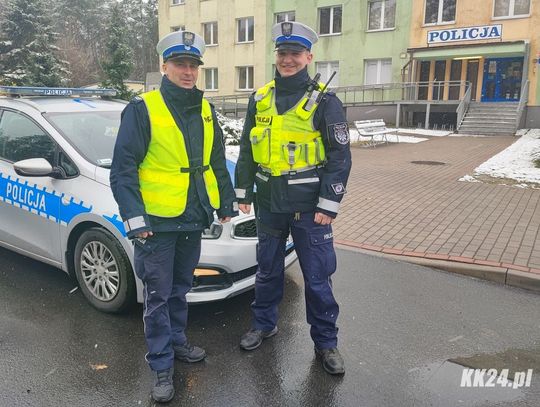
pixel 286 28
pixel 188 38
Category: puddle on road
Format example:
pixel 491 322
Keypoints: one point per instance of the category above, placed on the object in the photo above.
pixel 469 381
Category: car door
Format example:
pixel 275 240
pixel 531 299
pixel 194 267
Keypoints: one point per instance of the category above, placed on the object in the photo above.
pixel 29 206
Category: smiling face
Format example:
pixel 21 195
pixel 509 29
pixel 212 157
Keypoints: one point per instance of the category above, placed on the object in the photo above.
pixel 183 72
pixel 289 62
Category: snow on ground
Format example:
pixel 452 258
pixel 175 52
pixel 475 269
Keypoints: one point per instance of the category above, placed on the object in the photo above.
pixel 426 132
pixel 515 162
pixel 392 138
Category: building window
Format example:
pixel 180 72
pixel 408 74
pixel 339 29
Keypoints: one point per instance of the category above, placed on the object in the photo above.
pixel 378 71
pixel 210 33
pixel 245 29
pixel 326 69
pixel 382 14
pixel 511 8
pixel 245 77
pixel 440 11
pixel 211 79
pixel 178 28
pixel 177 2
pixel 285 16
pixel 330 20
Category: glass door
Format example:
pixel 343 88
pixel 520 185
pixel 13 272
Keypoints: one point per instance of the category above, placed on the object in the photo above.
pixel 502 79
pixel 472 76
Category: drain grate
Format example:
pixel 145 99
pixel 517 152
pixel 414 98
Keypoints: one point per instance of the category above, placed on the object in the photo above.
pixel 428 162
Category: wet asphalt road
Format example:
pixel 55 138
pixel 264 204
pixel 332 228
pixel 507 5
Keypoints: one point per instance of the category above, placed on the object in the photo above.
pixel 406 332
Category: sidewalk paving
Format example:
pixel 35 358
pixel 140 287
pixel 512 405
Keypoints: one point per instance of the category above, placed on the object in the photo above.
pixel 422 213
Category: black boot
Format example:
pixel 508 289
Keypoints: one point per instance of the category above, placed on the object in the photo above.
pixel 331 360
pixel 163 390
pixel 189 353
pixel 254 337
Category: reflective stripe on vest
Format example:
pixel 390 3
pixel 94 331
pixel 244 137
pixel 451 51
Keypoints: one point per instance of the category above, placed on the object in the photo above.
pixel 286 142
pixel 164 172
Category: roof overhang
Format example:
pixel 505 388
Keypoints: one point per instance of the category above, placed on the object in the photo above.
pixel 486 50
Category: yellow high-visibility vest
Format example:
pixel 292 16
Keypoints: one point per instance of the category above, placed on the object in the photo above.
pixel 164 172
pixel 286 142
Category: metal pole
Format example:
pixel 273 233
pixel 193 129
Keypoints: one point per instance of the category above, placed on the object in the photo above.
pixel 428 111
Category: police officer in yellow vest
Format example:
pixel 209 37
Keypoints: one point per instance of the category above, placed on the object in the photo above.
pixel 168 177
pixel 295 149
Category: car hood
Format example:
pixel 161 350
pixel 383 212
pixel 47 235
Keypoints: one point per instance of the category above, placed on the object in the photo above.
pixel 101 175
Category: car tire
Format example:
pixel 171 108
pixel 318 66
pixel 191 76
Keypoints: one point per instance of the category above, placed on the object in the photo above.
pixel 103 271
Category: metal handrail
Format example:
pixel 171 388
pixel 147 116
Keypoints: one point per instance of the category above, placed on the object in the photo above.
pixel 463 106
pixel 364 94
pixel 522 102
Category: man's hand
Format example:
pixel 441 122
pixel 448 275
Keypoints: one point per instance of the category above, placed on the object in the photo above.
pixel 225 219
pixel 322 219
pixel 244 208
pixel 144 235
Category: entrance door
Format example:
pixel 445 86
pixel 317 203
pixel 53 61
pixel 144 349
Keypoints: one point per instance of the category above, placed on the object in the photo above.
pixel 502 79
pixel 472 76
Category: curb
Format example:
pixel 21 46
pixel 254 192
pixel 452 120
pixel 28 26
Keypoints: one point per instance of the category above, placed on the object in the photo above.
pixel 507 274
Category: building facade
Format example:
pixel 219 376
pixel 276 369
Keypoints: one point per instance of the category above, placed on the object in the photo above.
pixel 492 44
pixel 364 41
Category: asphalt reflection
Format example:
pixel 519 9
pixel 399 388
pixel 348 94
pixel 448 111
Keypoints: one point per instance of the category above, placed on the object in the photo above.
pixel 406 332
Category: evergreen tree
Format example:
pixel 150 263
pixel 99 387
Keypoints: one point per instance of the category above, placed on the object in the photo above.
pixel 28 55
pixel 118 64
pixel 81 25
pixel 143 35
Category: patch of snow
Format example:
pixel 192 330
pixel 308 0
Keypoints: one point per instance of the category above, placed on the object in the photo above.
pixel 426 132
pixel 392 138
pixel 468 178
pixel 516 161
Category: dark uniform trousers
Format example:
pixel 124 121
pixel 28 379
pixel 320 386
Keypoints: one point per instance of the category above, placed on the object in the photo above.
pixel 165 262
pixel 315 250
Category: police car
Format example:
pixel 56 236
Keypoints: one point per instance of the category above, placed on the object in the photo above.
pixel 56 205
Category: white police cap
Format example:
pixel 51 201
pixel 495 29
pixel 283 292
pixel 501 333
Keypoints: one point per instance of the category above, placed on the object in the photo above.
pixel 181 44
pixel 293 35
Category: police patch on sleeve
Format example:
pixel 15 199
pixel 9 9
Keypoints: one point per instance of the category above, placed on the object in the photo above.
pixel 338 188
pixel 341 132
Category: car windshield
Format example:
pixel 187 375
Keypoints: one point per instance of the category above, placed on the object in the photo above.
pixel 93 134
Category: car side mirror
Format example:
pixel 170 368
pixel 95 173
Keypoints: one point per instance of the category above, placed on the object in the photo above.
pixel 33 167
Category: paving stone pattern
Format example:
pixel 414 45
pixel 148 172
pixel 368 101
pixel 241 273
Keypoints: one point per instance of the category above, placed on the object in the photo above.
pixel 397 207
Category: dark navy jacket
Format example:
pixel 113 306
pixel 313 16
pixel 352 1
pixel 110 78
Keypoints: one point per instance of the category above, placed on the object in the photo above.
pixel 277 193
pixel 131 148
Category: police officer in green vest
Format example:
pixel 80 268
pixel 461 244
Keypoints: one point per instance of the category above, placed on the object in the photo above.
pixel 295 149
pixel 168 177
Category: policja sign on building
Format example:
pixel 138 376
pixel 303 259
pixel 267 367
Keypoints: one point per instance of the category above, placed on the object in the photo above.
pixel 485 32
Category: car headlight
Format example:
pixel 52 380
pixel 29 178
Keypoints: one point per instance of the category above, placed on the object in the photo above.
pixel 213 232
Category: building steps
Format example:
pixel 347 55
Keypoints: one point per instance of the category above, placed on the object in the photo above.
pixel 490 119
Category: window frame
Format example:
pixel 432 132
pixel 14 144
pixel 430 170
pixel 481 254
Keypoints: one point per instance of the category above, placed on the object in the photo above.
pixel 178 28
pixel 215 78
pixel 238 72
pixel 58 150
pixel 379 70
pixel 511 15
pixel 213 33
pixel 286 13
pixel 246 32
pixel 331 22
pixel 328 64
pixel 439 15
pixel 383 9
pixel 177 3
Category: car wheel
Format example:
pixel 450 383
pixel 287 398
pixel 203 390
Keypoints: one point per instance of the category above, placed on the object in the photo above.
pixel 104 271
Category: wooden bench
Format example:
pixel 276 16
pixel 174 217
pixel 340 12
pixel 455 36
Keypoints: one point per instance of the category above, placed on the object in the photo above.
pixel 372 128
